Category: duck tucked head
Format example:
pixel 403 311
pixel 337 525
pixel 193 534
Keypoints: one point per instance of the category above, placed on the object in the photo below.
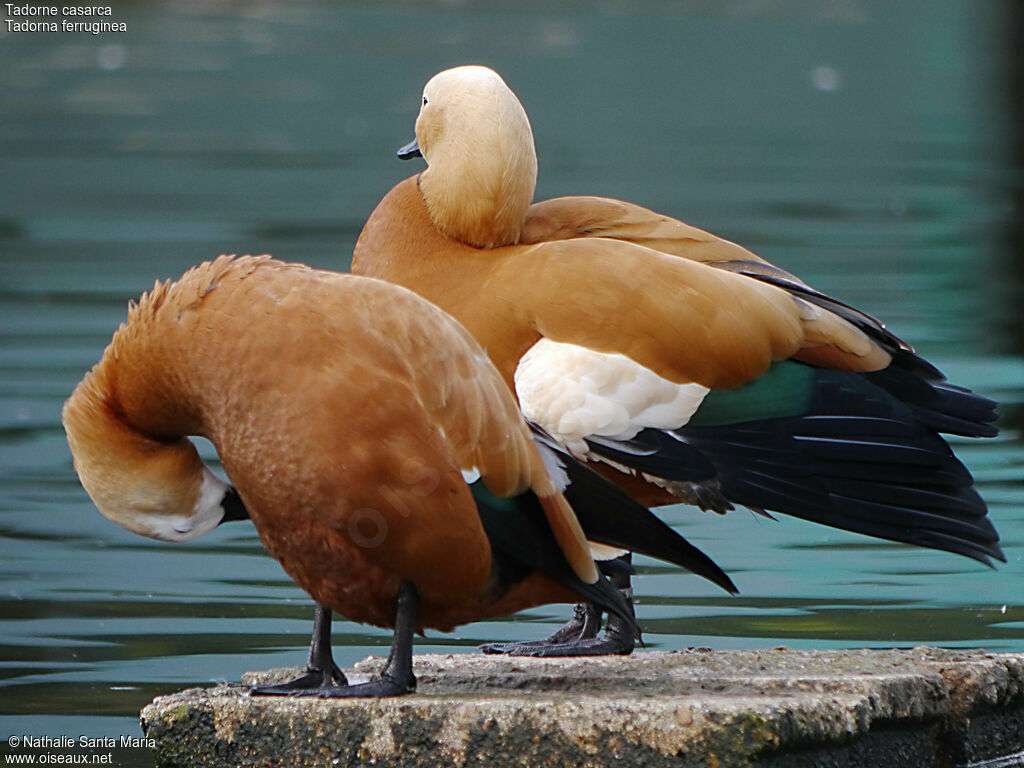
pixel 154 488
pixel 482 165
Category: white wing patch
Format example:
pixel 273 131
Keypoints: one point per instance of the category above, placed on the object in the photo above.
pixel 574 392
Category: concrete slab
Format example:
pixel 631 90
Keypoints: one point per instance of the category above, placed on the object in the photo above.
pixel 778 707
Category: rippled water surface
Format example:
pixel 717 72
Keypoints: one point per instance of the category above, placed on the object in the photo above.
pixel 873 148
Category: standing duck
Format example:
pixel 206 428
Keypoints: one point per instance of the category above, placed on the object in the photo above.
pixel 685 366
pixel 380 456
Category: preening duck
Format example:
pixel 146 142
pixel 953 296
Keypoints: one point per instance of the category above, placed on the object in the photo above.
pixel 379 454
pixel 687 366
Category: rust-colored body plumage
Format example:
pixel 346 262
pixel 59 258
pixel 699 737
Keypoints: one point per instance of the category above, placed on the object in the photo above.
pixel 344 411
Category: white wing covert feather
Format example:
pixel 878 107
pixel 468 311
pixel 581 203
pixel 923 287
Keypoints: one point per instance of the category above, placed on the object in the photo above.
pixel 574 393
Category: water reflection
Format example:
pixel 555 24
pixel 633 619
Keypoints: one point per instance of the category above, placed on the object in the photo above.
pixel 830 144
pixel 1011 316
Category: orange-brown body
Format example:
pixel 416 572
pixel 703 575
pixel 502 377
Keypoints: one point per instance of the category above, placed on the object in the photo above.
pixel 344 411
pixel 623 333
pixel 599 274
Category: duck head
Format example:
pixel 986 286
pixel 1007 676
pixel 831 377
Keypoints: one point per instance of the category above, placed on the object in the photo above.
pixel 481 162
pixel 155 488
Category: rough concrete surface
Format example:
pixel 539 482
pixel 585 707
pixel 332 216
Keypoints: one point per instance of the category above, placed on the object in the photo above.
pixel 778 707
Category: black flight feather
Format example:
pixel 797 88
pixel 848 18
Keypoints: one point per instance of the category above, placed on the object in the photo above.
pixel 862 454
pixel 522 542
pixel 609 516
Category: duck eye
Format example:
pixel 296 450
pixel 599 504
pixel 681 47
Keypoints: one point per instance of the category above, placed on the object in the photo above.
pixel 424 101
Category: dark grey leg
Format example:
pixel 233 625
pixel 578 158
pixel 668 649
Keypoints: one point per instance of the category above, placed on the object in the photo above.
pixel 321 671
pixel 396 678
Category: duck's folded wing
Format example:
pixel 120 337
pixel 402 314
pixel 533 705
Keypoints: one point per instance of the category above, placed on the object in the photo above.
pixel 565 218
pixel 480 420
pixel 681 319
pixel 456 383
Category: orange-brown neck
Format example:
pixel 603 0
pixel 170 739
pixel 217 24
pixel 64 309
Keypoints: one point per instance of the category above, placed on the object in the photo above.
pixel 127 422
pixel 153 486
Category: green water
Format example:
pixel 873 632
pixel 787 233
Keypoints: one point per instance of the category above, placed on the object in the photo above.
pixel 873 148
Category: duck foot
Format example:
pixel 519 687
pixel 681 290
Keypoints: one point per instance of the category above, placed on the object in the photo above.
pixel 396 678
pixel 584 625
pixel 321 671
pixel 375 689
pixel 310 684
pixel 578 637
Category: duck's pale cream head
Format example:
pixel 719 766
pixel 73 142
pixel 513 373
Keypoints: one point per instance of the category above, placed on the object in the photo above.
pixel 482 165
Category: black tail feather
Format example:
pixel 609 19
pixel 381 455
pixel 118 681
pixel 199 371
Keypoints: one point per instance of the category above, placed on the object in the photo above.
pixel 658 453
pixel 522 542
pixel 864 455
pixel 939 405
pixel 862 460
pixel 609 516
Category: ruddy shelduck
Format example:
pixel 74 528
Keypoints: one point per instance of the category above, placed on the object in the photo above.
pixel 379 454
pixel 693 369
